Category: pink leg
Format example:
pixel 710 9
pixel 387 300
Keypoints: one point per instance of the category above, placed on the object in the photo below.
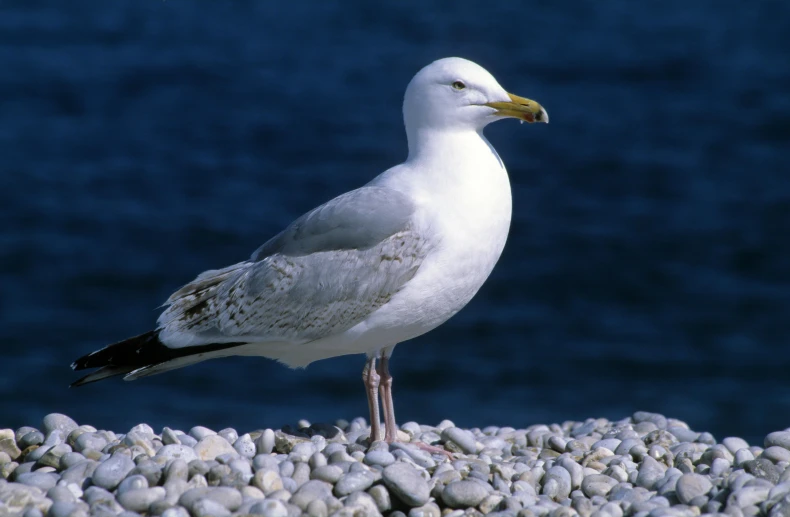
pixel 390 428
pixel 371 379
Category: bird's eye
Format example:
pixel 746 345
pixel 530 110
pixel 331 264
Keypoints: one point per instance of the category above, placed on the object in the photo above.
pixel 458 85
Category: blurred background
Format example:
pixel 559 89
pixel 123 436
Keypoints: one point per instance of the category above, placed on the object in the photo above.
pixel 647 268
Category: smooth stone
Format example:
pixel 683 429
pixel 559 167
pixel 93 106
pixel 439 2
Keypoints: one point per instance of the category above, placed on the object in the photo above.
pixel 381 497
pixel 779 439
pixel 32 438
pixel 361 502
pixel 52 457
pixel 62 509
pixel 751 495
pixel 317 508
pixel 211 446
pixel 461 437
pixel 176 511
pixel 199 432
pixel 139 499
pixel 177 451
pixel 264 444
pixel 133 482
pixel 225 496
pixel 353 482
pixel 58 422
pixel 230 435
pixel 43 481
pixel 9 447
pixel 245 446
pixel 302 451
pixel 209 508
pixel 776 453
pixel 313 489
pixel 557 483
pixel 382 458
pixel 169 437
pixel 111 472
pixel 597 485
pixel 734 444
pixel 269 508
pixel 61 493
pixel 465 494
pixel 690 486
pixel 268 481
pixel 650 471
pixel 683 434
pixel 406 483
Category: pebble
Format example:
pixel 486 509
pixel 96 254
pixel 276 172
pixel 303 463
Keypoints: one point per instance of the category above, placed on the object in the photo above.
pixel 58 422
pixel 111 472
pixel 464 494
pixel 690 486
pixel 211 446
pixel 406 483
pixel 464 439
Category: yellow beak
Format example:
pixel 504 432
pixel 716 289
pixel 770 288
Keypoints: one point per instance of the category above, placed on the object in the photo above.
pixel 520 108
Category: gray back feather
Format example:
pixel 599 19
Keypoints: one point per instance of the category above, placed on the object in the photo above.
pixel 355 220
pixel 326 272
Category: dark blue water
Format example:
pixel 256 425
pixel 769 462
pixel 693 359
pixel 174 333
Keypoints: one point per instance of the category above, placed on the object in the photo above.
pixel 648 266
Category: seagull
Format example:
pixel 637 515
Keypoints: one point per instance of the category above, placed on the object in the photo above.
pixel 367 270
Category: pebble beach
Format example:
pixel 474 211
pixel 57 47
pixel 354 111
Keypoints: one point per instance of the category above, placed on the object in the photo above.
pixel 646 465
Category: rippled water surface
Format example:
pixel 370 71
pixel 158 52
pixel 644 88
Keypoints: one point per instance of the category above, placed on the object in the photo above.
pixel 647 267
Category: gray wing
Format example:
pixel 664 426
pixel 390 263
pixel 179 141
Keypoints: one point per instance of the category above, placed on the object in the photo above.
pixel 325 273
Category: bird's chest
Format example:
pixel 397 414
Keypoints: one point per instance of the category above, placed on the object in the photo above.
pixel 471 222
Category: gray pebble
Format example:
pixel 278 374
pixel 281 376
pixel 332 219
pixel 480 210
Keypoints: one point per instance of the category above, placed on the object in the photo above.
pixel 313 489
pixel 779 439
pixel 58 422
pixel 211 446
pixel 464 494
pixel 43 481
pixel 381 497
pixel 650 471
pixel 61 493
pixel 229 434
pixel 225 496
pixel 382 458
pixel 328 473
pixel 461 437
pixel 597 485
pixel 61 509
pixel 690 486
pixel 406 483
pixel 176 511
pixel 199 432
pixel 353 482
pixel 557 483
pixel 139 499
pixel 111 472
pixel 264 444
pixel 245 446
pixel 776 453
pixel 169 437
pixel 270 508
pixel 133 482
pixel 734 444
pixel 34 437
pixel 209 508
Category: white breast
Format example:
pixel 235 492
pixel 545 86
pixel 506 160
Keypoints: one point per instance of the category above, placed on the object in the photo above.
pixel 465 205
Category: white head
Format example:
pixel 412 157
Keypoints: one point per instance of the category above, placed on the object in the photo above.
pixel 456 94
